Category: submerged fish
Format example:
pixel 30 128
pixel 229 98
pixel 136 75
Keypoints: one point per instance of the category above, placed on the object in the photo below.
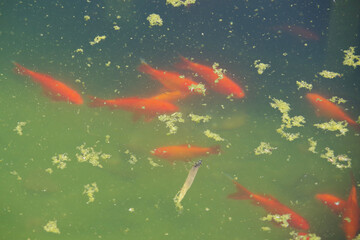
pixel 349 209
pixel 55 89
pixel 172 81
pixel 325 108
pixel 271 204
pixel 147 107
pixel 184 152
pixel 222 85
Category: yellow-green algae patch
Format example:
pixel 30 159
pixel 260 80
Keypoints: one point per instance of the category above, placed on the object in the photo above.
pixel 91 156
pixel 198 88
pixel 303 84
pixel 178 3
pixel 51 227
pixel 155 20
pixel 19 128
pixel 15 173
pixel 334 126
pixel 350 59
pixel 308 236
pixel 218 71
pixel 328 74
pixel 337 100
pixel 261 67
pixel 312 144
pixel 281 219
pixel 97 39
pixel 60 160
pixel 287 121
pixel 133 160
pixel 264 148
pixel 170 121
pixel 198 118
pixel 214 136
pixel 340 161
pixel 89 190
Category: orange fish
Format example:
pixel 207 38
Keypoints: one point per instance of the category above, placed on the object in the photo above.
pixel 224 86
pixel 147 107
pixel 348 208
pixel 334 203
pixel 325 108
pixel 170 96
pixel 172 81
pixel 299 31
pixel 272 205
pixel 184 152
pixel 55 89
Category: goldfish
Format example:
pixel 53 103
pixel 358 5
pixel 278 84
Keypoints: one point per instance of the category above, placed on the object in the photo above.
pixel 147 107
pixel 172 81
pixel 325 108
pixel 299 31
pixel 349 209
pixel 173 96
pixel 55 89
pixel 184 152
pixel 222 85
pixel 272 205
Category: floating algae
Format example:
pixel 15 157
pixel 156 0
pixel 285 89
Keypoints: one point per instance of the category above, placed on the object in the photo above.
pixel 155 20
pixel 170 121
pixel 304 84
pixel 334 126
pixel 90 190
pixel 281 219
pixel 198 118
pixel 214 136
pixel 350 59
pixel 264 148
pixel 340 161
pixel 97 39
pixel 52 227
pixel 312 145
pixel 90 155
pixel 218 71
pixel 60 160
pixel 178 3
pixel 307 236
pixel 198 88
pixel 328 74
pixel 261 67
pixel 187 184
pixel 337 100
pixel 18 129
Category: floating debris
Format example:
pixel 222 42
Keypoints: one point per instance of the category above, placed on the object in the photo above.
pixel 261 67
pixel 91 156
pixel 152 163
pixel 304 84
pixel 97 39
pixel 328 74
pixel 337 100
pixel 187 184
pixel 198 88
pixel 51 227
pixel 264 148
pixel 287 121
pixel 170 121
pixel 307 236
pixel 60 160
pixel 350 59
pixel 198 118
pixel 155 20
pixel 214 136
pixel 312 145
pixel 49 170
pixel 86 17
pixel 18 129
pixel 266 229
pixel 132 159
pixel 334 126
pixel 340 161
pixel 178 3
pixel 281 219
pixel 90 190
pixel 15 173
pixel 218 71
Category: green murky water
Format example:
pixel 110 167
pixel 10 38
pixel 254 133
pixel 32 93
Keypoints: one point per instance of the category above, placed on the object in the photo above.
pixel 135 201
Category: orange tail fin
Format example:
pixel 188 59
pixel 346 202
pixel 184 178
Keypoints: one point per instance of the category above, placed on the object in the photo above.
pixel 96 102
pixel 145 68
pixel 20 69
pixel 242 192
pixel 184 64
pixel 215 149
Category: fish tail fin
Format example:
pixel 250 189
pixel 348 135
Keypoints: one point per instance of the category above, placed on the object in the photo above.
pixel 184 63
pixel 242 192
pixel 215 149
pixel 144 67
pixel 96 102
pixel 20 69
